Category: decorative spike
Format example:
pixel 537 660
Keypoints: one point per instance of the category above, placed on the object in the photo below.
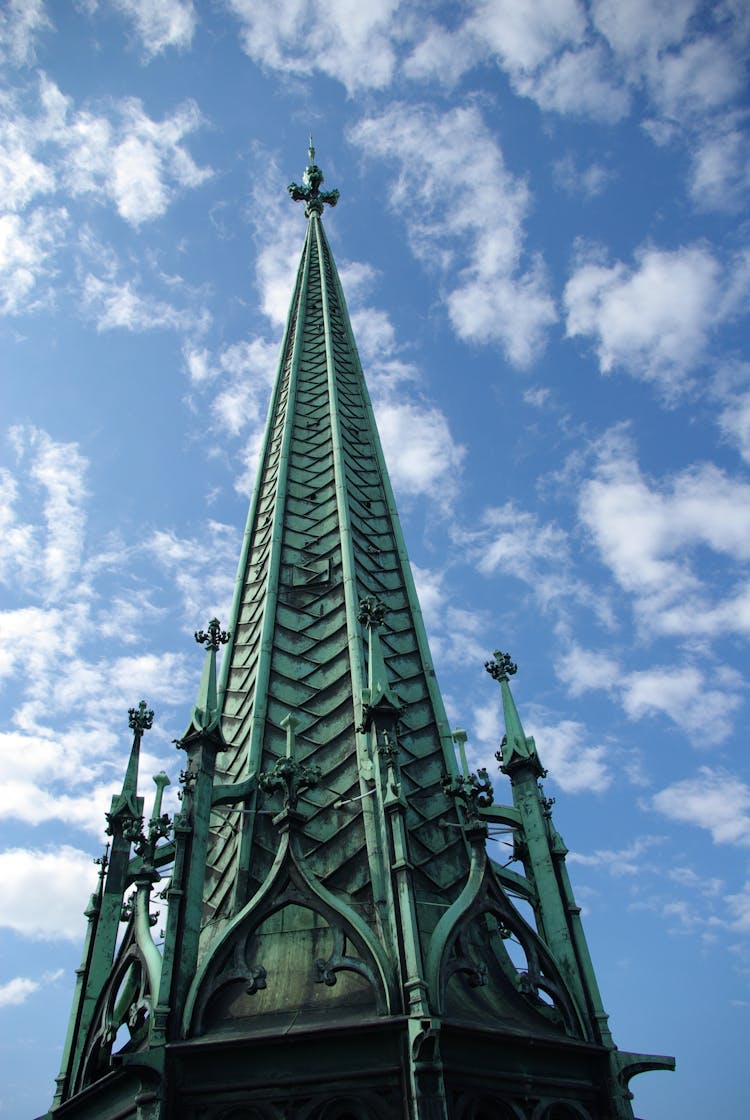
pixel 380 705
pixel 127 807
pixel 516 748
pixel 205 715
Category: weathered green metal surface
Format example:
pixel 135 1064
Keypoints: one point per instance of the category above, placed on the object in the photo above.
pixel 337 941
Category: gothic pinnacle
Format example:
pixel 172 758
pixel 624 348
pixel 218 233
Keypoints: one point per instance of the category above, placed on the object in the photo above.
pixel 205 716
pixel 516 746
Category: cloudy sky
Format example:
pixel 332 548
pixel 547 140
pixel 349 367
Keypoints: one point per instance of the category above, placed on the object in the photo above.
pixel 544 242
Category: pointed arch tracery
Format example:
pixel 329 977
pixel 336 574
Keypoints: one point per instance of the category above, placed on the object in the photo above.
pixel 125 1001
pixel 351 947
pixel 474 948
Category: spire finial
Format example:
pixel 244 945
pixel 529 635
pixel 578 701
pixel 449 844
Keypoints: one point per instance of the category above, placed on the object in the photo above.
pixel 140 719
pixel 502 667
pixel 310 191
pixel 215 636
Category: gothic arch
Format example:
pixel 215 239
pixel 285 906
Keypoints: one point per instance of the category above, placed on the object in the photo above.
pixel 488 1107
pixel 355 949
pixel 364 1106
pixel 560 1110
pixel 125 1000
pixel 539 983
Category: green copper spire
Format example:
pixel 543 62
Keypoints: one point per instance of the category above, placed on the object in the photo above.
pixel 338 940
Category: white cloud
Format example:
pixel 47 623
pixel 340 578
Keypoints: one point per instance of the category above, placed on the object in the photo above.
pixel 20 24
pixel 22 176
pixel 488 727
pixel 56 474
pixel 17 991
pixel 117 304
pixel 650 536
pixel 515 542
pixel 584 670
pixel 277 260
pixel 739 909
pixel 27 243
pixel 714 799
pixel 45 892
pixel 702 704
pixel 248 370
pixel 431 594
pixel 720 174
pixel 701 76
pixel 619 861
pixel 204 576
pixel 703 710
pixel 493 295
pixel 136 162
pixel 346 40
pixel 526 35
pixel 734 417
pixel 160 23
pixel 573 766
pixel 419 449
pixel 589 181
pixel 441 55
pixel 654 320
pixel 578 82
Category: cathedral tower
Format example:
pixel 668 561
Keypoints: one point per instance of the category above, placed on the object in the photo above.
pixel 338 941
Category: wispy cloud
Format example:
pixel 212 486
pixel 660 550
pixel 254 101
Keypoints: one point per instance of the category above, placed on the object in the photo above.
pixel 494 293
pixel 21 23
pixel 713 799
pixel 27 247
pixel 160 24
pixel 355 45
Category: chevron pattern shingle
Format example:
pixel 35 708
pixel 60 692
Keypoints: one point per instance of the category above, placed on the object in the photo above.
pixel 323 513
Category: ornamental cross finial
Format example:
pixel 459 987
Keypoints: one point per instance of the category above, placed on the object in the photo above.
pixel 502 667
pixel 215 636
pixel 140 719
pixel 287 774
pixel 310 191
pixel 371 612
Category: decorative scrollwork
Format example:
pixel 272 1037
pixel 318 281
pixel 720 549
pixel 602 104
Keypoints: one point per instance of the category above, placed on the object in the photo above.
pixel 256 979
pixel 502 667
pixel 213 637
pixel 340 961
pixel 290 776
pixel 371 612
pixel 474 791
pixel 140 719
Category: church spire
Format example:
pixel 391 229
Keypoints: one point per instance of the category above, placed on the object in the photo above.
pixel 338 939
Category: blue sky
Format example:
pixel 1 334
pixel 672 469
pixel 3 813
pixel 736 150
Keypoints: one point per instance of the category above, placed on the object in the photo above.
pixel 544 242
